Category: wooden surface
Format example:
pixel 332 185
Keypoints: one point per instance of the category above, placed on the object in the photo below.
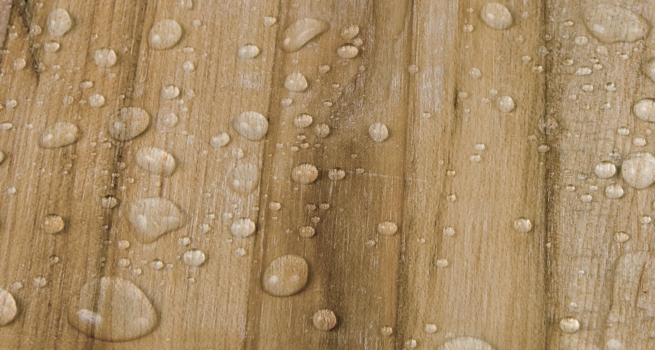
pixel 413 74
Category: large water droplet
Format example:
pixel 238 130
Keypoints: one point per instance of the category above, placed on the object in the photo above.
pixel 194 257
pixel 569 325
pixel 304 173
pixel 112 309
pixel 465 343
pixel 105 58
pixel 611 23
pixel 251 125
pixel 156 161
pixel 638 170
pixel 244 178
pixel 59 22
pixel 296 82
pixel 302 31
pixel 128 123
pixel 53 224
pixel 645 110
pixel 152 217
pixel 59 135
pixel 378 132
pixel 286 275
pixel 8 308
pixel 496 15
pixel 324 320
pixel 165 34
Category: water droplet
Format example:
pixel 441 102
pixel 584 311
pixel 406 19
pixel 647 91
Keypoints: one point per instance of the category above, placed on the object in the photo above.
pixel 506 104
pixel 301 32
pixel 306 232
pixel 244 178
pixel 269 21
pixel 336 174
pixel 496 15
pixel 123 262
pixel 614 344
pixel 128 123
pixel 475 73
pixel 96 100
pixel 40 282
pixel 170 92
pixel 275 206
pixel 639 141
pixel 11 104
pixel 638 170
pixel 410 344
pixel 623 131
pixel 586 198
pixel 304 173
pixel 324 68
pixel 467 28
pixel 645 110
pixel 53 224
pixel 350 32
pixel 51 47
pixel 302 121
pixel 11 190
pixel 123 244
pixel 8 308
pixel 193 257
pixel 387 228
pixel 523 225
pixel 448 231
pixel 286 275
pixel 59 22
pixel 621 237
pixel 295 82
pixel 583 71
pixel 105 58
pixel 430 328
pixel 465 343
pixel 476 158
pixel 605 170
pixel 19 64
pixel 378 132
pixel 248 51
pixel 219 140
pixel 59 135
pixel 324 320
pixel 322 130
pixel 156 264
pixel 649 69
pixel 251 125
pixel 112 309
pixel 243 227
pixel 645 220
pixel 152 217
pixel 165 34
pixel 581 40
pixel 543 148
pixel 386 331
pixel 569 325
pixel 348 51
pixel 109 202
pixel 156 161
pixel 442 263
pixel 614 191
pixel 610 24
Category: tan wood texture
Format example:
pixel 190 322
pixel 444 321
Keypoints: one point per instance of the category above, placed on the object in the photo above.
pixel 456 175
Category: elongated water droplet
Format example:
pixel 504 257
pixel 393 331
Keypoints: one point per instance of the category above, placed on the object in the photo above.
pixel 324 320
pixel 304 173
pixel 301 32
pixel 243 227
pixel 53 224
pixel 152 217
pixel 156 161
pixel 248 52
pixel 105 58
pixel 51 47
pixel 251 125
pixel 348 51
pixel 378 132
pixel 569 325
pixel 295 82
pixel 496 15
pixel 8 308
pixel 621 237
pixel 128 123
pixel 645 110
pixel 611 23
pixel 165 34
pixel 194 257
pixel 465 343
pixel 387 228
pixel 286 275
pixel 112 309
pixel 638 170
pixel 244 178
pixel 59 22
pixel 59 135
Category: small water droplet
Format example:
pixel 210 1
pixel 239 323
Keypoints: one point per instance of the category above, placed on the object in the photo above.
pixel 506 104
pixel 188 66
pixel 645 110
pixel 378 132
pixel 638 170
pixel 51 47
pixel 623 131
pixel 59 22
pixel 348 51
pixel 123 262
pixel 467 28
pixel 350 32
pixel 251 125
pixel 109 202
pixel 156 161
pixel 269 21
pixel 59 135
pixel 303 120
pixel 105 58
pixel 123 244
pixel 219 140
pixel 296 82
pixel 11 104
pixel 583 71
pixel 274 206
pixel 465 343
pixel 112 309
pixel 614 344
pixel 430 328
pixel 621 237
pixel 322 130
pixel 324 320
pixel 523 225
pixel 387 228
pixel 165 34
pixel 304 173
pixel 475 73
pixel 645 220
pixel 152 217
pixel 581 40
pixel 614 191
pixel 605 170
pixel 301 32
pixel 442 263
pixel 19 64
pixel 410 344
pixel 53 224
pixel 128 123
pixel 586 198
pixel 286 275
pixel 243 227
pixel 448 231
pixel 40 282
pixel 386 331
pixel 194 257
pixel 336 174
pixel 496 15
pixel 569 325
pixel 639 141
pixel 475 158
pixel 611 23
pixel 8 308
pixel 248 51
pixel 96 100
pixel 170 92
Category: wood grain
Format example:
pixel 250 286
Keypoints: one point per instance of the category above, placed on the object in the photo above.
pixel 452 160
